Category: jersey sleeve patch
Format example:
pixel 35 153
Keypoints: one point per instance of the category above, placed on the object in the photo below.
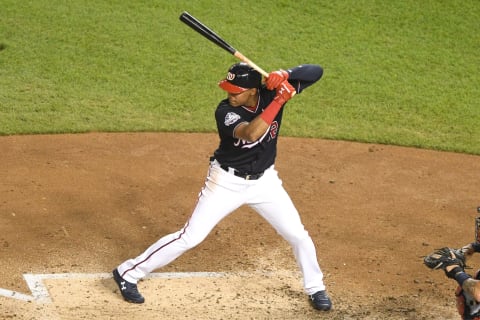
pixel 231 118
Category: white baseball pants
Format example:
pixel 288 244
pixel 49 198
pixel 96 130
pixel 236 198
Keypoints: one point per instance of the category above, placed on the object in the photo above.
pixel 223 193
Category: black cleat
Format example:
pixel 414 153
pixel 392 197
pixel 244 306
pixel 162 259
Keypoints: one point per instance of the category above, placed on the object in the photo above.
pixel 321 301
pixel 128 290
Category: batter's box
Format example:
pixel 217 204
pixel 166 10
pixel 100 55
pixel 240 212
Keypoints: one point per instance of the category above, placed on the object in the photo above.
pixel 258 295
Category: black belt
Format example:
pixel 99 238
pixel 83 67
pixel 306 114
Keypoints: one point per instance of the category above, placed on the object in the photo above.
pixel 245 176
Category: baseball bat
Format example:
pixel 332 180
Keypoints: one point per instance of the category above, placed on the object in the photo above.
pixel 208 33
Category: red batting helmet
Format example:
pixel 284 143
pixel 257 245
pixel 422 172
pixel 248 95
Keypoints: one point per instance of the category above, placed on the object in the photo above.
pixel 241 77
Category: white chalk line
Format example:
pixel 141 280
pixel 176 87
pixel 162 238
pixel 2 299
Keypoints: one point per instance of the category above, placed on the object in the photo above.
pixel 40 292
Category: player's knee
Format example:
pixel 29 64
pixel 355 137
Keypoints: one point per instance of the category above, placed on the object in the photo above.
pixel 192 240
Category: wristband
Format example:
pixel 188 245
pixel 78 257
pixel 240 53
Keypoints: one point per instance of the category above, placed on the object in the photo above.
pixel 461 277
pixel 270 112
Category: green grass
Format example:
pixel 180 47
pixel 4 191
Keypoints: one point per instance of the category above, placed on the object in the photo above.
pixel 396 72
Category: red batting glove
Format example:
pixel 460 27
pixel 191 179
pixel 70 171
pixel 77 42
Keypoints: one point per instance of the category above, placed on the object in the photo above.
pixel 285 91
pixel 275 78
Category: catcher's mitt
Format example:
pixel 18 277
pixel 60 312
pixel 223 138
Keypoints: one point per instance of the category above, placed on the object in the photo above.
pixel 444 257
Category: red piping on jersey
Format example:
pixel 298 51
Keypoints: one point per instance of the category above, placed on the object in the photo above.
pixel 253 109
pixel 151 254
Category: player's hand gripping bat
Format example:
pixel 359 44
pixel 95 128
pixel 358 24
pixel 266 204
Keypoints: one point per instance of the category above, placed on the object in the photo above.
pixel 198 26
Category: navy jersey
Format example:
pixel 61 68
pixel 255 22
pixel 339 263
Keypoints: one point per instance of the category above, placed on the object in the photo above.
pixel 254 157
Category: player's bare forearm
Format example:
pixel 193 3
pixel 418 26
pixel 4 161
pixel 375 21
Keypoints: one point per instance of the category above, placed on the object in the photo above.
pixel 472 287
pixel 251 131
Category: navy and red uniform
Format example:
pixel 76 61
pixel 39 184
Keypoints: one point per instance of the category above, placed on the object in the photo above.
pixel 255 157
pixel 242 173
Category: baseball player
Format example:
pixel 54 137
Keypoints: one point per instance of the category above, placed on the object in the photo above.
pixel 453 263
pixel 242 172
pixel 468 290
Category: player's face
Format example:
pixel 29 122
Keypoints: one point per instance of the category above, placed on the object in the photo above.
pixel 244 98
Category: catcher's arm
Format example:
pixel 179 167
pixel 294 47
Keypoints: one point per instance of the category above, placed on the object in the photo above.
pixel 452 262
pixel 468 249
pixel 473 247
pixel 477 226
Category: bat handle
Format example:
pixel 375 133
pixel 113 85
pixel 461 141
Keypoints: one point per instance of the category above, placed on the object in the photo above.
pixel 241 57
pixel 250 63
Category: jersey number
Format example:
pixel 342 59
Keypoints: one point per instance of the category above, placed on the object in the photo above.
pixel 273 130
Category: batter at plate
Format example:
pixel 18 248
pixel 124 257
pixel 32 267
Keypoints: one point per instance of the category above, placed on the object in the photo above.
pixel 242 172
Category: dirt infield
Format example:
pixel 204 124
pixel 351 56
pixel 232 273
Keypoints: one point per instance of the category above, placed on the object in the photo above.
pixel 80 204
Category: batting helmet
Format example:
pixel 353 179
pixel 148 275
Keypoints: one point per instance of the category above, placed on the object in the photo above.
pixel 241 77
